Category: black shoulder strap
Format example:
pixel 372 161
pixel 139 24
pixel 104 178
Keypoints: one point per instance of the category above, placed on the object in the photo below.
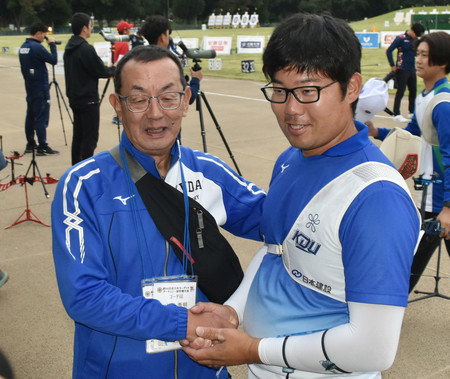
pixel 214 260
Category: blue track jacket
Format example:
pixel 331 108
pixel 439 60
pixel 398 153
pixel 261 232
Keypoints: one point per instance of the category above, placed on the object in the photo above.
pixel 33 58
pixel 105 244
pixel 405 52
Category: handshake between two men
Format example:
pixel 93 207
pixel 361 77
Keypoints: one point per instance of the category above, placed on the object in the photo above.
pixel 212 338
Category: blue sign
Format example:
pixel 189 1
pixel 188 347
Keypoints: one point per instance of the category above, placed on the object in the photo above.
pixel 369 40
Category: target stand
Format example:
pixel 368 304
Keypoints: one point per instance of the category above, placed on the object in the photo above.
pixel 28 213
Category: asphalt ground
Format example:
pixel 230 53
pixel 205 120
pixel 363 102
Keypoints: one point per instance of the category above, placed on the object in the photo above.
pixel 36 333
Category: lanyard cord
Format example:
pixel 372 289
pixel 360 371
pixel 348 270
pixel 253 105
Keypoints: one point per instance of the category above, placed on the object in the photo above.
pixel 187 256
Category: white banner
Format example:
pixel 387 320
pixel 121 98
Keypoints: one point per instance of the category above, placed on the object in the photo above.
pixel 222 45
pixel 250 44
pixel 388 37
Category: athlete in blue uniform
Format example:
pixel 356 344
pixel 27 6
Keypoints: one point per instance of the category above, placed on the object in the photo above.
pixel 433 65
pixel 404 69
pixel 33 64
pixel 327 293
pixel 105 241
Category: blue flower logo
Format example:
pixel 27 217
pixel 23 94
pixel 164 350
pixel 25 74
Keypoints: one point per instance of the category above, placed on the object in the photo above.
pixel 313 221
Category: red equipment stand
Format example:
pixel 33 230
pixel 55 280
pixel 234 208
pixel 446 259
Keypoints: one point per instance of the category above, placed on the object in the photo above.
pixel 27 212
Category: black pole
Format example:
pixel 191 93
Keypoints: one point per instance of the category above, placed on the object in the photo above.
pixel 33 164
pixel 437 277
pixel 113 49
pixel 59 96
pixel 219 129
pixel 202 124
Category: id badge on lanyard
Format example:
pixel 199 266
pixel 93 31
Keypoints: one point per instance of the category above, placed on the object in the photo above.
pixel 180 290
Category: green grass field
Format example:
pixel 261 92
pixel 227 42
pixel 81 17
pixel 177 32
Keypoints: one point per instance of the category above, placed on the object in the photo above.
pixel 374 62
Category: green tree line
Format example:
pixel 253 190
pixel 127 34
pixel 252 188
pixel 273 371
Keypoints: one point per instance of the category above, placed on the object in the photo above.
pixel 57 13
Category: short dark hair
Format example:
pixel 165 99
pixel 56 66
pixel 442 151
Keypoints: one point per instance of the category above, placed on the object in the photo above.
pixel 314 44
pixel 38 27
pixel 146 54
pixel 153 27
pixel 439 49
pixel 418 29
pixel 79 20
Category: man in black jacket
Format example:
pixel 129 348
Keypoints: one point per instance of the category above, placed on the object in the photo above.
pixel 33 58
pixel 83 67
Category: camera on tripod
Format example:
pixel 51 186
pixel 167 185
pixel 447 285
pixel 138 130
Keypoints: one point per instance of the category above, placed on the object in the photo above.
pixel 196 54
pixel 113 38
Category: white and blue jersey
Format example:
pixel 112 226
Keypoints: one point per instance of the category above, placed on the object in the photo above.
pixel 435 160
pixel 105 243
pixel 378 234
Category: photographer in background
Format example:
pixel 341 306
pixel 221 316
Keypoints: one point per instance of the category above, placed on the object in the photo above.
pixel 136 39
pixel 83 67
pixel 122 48
pixel 33 58
pixel 156 31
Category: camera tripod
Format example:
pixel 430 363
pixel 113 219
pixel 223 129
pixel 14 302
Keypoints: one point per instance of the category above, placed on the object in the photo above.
pixel 113 51
pixel 28 213
pixel 433 228
pixel 437 278
pixel 201 96
pixel 59 97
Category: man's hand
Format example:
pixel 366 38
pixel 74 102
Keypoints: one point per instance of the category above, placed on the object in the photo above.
pixel 209 315
pixel 50 39
pixel 444 219
pixel 197 74
pixel 223 347
pixel 224 311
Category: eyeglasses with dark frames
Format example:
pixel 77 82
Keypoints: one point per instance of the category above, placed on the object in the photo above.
pixel 303 94
pixel 140 103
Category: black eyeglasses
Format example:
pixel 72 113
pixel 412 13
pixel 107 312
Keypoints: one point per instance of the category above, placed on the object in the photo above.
pixel 304 94
pixel 140 103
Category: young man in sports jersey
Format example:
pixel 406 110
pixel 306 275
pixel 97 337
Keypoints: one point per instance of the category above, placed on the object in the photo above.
pixel 433 64
pixel 327 293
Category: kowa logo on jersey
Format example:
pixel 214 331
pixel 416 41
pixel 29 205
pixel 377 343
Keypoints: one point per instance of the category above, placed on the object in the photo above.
pixel 305 243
